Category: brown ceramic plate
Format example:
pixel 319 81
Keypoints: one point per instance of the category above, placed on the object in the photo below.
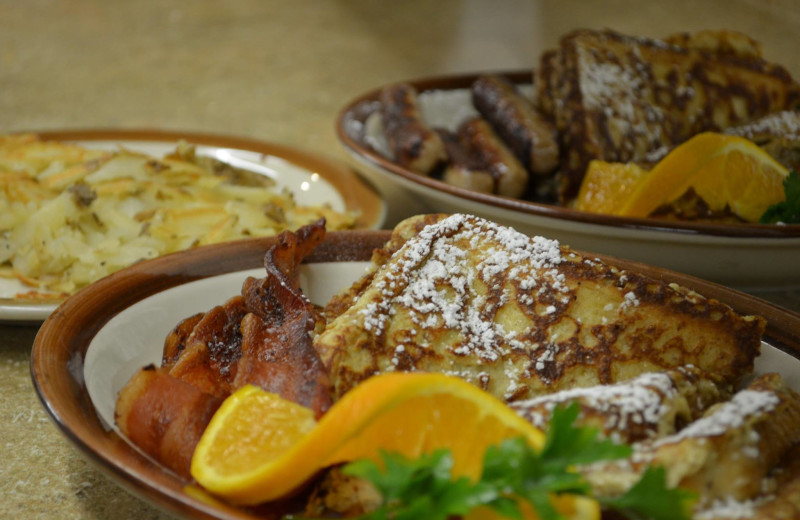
pixel 88 348
pixel 725 253
pixel 312 178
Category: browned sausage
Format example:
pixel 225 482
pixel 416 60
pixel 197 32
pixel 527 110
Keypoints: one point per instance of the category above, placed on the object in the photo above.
pixel 510 177
pixel 527 132
pixel 463 170
pixel 415 145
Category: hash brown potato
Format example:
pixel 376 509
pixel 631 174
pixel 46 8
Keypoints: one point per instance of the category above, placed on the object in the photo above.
pixel 70 215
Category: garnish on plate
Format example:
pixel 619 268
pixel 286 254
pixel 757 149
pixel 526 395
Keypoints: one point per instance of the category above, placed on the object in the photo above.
pixel 515 477
pixel 725 173
pixel 787 211
pixel 408 413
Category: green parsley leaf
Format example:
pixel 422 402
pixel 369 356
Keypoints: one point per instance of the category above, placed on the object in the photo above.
pixel 651 499
pixel 514 471
pixel 788 211
pixel 568 445
pixel 420 488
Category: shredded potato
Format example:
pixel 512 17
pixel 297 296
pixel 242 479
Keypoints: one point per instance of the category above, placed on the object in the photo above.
pixel 70 215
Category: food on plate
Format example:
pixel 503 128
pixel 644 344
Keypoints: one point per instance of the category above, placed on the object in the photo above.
pixel 607 186
pixel 464 168
pixel 460 321
pixel 713 175
pixel 414 144
pixel 729 454
pixel 619 99
pixel 520 316
pixel 623 99
pixel 164 416
pixel 652 405
pixel 261 338
pixel 479 140
pixel 777 134
pixel 409 414
pixel 70 215
pixel 528 133
pixel 787 211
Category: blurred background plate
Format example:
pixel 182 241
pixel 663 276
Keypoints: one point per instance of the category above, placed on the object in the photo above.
pixel 313 179
pixel 746 256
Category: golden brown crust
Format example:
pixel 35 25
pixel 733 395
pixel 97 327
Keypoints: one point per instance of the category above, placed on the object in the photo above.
pixel 521 316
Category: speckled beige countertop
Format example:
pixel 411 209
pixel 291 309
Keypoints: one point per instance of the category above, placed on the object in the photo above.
pixel 273 70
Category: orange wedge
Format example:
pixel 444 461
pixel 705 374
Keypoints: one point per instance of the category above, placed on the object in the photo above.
pixel 259 447
pixel 607 186
pixel 724 171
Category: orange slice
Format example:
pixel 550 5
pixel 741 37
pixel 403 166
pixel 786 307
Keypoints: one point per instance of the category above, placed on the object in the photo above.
pixel 607 185
pixel 259 447
pixel 724 170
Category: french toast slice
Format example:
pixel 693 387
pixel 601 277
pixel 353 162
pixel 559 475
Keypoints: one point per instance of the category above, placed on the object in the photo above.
pixel 621 98
pixel 650 406
pixel 730 454
pixel 521 316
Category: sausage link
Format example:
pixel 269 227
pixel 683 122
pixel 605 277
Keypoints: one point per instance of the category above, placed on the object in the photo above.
pixel 463 169
pixel 415 145
pixel 529 134
pixel 510 177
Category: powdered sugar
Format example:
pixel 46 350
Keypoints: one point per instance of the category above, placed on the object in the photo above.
pixel 781 124
pixel 433 281
pixel 730 509
pixel 729 415
pixel 640 401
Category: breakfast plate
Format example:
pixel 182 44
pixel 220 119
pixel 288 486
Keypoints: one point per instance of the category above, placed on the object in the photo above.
pixel 312 179
pixel 731 254
pixel 87 348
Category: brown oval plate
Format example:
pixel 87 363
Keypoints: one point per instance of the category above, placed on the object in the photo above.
pixel 730 254
pixel 88 348
pixel 312 178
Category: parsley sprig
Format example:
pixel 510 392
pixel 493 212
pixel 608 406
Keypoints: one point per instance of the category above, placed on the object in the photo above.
pixel 787 211
pixel 513 471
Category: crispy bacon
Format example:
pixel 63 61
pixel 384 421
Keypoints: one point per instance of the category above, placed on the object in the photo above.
pixel 277 354
pixel 176 340
pixel 283 361
pixel 262 337
pixel 164 416
pixel 213 349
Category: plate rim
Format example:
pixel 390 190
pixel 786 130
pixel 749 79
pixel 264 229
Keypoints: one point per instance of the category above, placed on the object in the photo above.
pixel 362 105
pixel 357 194
pixel 60 347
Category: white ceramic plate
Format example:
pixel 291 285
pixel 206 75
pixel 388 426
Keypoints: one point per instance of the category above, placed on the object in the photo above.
pixel 88 348
pixel 746 256
pixel 312 180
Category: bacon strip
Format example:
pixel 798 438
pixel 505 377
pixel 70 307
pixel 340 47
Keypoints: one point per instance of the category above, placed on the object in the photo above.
pixel 277 353
pixel 209 360
pixel 164 416
pixel 262 337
